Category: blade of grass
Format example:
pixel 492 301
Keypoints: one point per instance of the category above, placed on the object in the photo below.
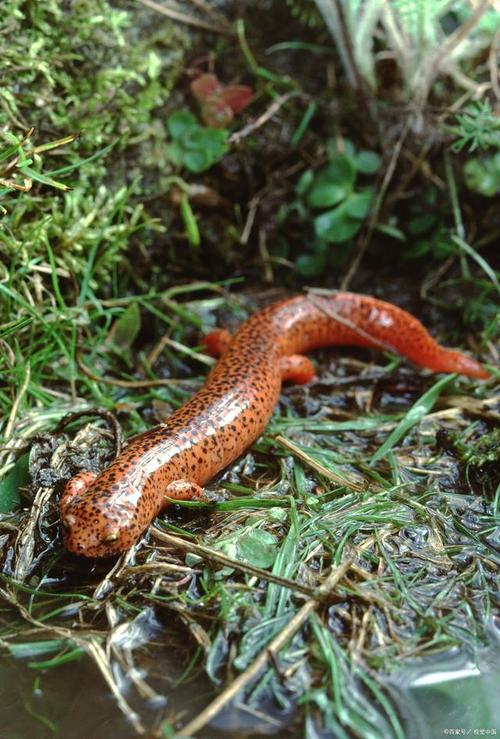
pixel 468 249
pixel 413 416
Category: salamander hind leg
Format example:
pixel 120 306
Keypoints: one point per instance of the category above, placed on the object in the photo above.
pixel 183 490
pixel 216 342
pixel 297 368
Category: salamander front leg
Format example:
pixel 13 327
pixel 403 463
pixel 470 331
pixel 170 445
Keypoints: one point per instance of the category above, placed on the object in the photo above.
pixel 217 342
pixel 183 490
pixel 76 486
pixel 73 488
pixel 297 368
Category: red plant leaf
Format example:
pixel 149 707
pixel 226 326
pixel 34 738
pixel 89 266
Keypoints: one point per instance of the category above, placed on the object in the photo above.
pixel 205 86
pixel 236 97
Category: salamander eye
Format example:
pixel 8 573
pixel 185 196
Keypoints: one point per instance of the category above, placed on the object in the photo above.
pixel 111 537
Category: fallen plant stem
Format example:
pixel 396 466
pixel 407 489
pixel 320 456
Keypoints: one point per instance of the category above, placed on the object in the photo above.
pixel 313 464
pixel 188 20
pixel 368 233
pixel 215 556
pixel 129 383
pixel 109 417
pixel 247 130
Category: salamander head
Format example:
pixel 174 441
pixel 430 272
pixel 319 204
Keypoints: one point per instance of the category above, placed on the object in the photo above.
pixel 99 519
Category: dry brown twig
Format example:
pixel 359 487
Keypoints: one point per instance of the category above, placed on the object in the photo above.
pixel 213 555
pixel 188 20
pixel 129 383
pixel 345 481
pixel 247 130
pixel 364 242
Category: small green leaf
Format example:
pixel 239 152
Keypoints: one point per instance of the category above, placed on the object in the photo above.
pixel 192 230
pixel 175 153
pixel 421 224
pixel 326 194
pixel 389 230
pixel 194 147
pixel 341 171
pixel 250 545
pixel 332 183
pixel 367 162
pixel 444 247
pixel 256 547
pixel 482 175
pixel 196 161
pixel 17 477
pixel 336 226
pixel 418 249
pixel 358 204
pixel 126 327
pixel 304 183
pixel 212 139
pixel 180 122
pixel 310 265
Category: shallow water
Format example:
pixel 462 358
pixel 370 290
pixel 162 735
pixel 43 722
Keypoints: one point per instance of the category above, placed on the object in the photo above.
pixel 70 701
pixel 451 694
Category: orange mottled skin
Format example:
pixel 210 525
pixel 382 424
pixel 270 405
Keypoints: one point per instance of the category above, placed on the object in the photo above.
pixel 102 515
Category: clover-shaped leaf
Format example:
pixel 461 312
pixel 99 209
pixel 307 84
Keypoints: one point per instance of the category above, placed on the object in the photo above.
pixel 193 146
pixel 180 123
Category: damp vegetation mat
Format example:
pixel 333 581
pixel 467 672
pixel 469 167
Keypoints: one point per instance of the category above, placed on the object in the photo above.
pixel 341 577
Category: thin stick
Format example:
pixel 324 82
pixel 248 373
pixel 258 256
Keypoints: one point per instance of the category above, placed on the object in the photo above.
pixel 128 383
pixel 237 136
pixel 188 20
pixel 212 12
pixel 279 641
pixel 365 240
pixel 304 457
pixel 215 556
pixel 493 64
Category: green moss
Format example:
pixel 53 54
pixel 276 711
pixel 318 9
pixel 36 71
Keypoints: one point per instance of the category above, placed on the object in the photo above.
pixel 100 72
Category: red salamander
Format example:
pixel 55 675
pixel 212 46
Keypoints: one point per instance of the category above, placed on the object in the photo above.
pixel 104 514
